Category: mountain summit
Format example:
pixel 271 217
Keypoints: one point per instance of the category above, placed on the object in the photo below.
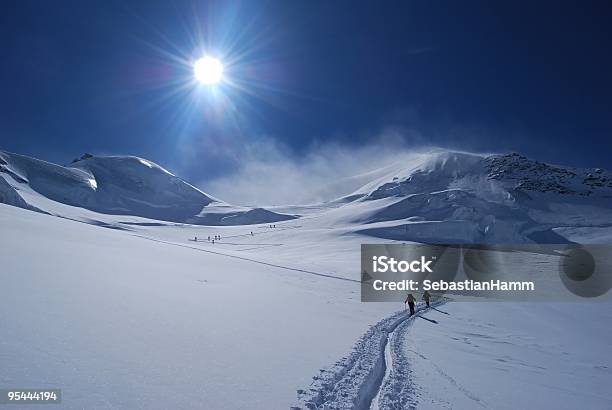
pixel 119 185
pixel 447 196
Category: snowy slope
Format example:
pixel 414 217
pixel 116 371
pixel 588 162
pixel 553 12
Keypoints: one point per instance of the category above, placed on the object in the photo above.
pixel 144 316
pixel 463 197
pixel 121 320
pixel 474 355
pixel 118 185
pixel 509 356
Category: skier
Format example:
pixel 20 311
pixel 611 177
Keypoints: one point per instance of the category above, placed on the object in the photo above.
pixel 195 238
pixel 213 242
pixel 426 297
pixel 208 238
pixel 252 233
pixel 410 300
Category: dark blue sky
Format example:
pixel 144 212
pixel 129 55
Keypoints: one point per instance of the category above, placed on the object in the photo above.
pixel 80 76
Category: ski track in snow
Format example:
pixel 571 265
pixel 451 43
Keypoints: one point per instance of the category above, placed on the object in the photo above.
pixel 374 375
pixel 325 275
pixel 388 366
pixel 397 391
pixel 450 379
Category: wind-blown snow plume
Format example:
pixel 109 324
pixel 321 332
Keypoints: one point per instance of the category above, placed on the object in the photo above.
pixel 270 174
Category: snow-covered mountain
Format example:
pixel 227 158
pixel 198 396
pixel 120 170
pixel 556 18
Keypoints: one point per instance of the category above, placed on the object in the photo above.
pixel 435 196
pixel 118 185
pixel 444 196
pixel 164 318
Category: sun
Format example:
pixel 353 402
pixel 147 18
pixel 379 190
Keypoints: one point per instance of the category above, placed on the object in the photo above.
pixel 208 70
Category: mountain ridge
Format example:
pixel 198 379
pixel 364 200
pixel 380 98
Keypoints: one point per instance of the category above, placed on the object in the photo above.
pixel 438 196
pixel 448 196
pixel 120 185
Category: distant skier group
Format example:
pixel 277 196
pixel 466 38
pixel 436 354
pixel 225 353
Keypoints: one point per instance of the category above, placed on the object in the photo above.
pixel 214 238
pixel 218 237
pixel 410 300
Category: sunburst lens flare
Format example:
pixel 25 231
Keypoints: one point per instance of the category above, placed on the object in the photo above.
pixel 208 70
